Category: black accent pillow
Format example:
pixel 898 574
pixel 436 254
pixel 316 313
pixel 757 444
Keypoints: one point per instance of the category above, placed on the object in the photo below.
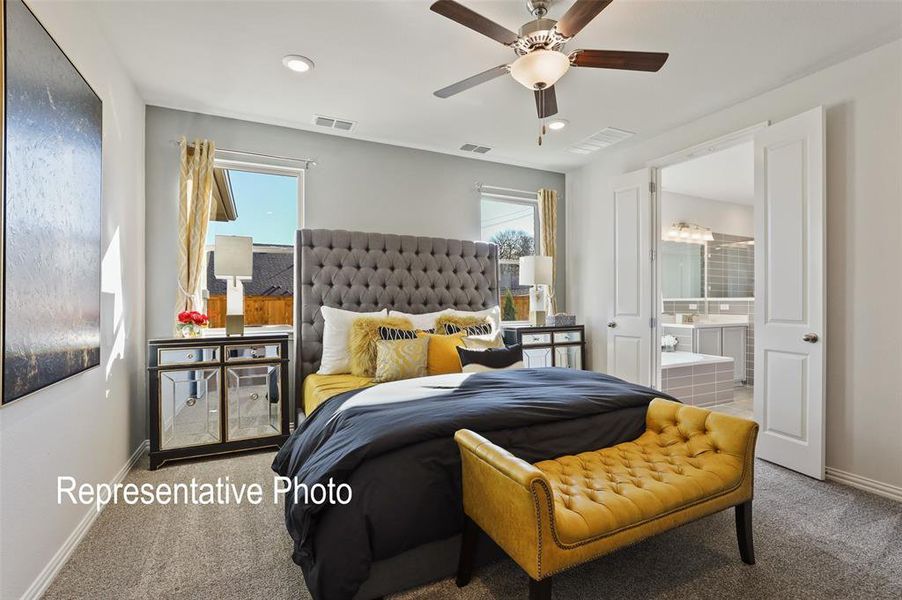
pixel 493 358
pixel 482 329
pixel 393 334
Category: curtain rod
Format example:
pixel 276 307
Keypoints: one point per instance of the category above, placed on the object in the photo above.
pixel 530 196
pixel 308 162
pixel 481 186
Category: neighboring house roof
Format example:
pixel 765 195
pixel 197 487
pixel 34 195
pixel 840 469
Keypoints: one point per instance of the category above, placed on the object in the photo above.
pixel 273 273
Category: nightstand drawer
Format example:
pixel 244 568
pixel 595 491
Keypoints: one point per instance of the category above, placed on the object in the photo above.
pixel 567 337
pixel 535 339
pixel 188 356
pixel 252 352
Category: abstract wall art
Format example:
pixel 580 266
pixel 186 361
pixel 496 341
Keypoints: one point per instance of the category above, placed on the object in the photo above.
pixel 51 227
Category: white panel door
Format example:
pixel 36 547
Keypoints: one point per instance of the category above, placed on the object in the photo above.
pixel 629 326
pixel 789 292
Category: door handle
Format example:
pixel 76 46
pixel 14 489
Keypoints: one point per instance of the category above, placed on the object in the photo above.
pixel 612 324
pixel 811 338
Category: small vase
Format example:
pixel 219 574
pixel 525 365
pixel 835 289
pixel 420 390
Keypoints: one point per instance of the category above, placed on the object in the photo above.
pixel 189 330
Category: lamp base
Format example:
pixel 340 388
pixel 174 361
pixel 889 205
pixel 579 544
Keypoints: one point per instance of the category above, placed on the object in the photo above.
pixel 537 318
pixel 234 324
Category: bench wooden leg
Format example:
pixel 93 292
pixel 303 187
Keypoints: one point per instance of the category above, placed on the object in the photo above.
pixel 467 552
pixel 540 590
pixel 744 532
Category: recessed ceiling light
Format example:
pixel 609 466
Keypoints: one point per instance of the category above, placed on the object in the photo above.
pixel 557 124
pixel 297 63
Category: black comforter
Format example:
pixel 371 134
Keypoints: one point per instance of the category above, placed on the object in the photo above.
pixel 404 468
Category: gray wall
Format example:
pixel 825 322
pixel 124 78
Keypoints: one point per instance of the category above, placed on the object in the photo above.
pixel 355 185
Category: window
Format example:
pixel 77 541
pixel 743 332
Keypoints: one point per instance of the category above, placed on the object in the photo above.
pixel 264 205
pixel 512 224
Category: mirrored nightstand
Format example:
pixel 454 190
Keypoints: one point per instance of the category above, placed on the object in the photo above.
pixel 214 395
pixel 559 346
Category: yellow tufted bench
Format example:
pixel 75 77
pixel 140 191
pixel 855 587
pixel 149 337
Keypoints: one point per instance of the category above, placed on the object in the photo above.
pixel 689 463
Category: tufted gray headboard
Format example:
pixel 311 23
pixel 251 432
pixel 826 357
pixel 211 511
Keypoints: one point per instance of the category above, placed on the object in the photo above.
pixel 366 272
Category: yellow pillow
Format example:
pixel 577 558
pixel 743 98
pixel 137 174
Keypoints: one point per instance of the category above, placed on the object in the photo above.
pixel 401 359
pixel 461 321
pixel 443 356
pixel 362 343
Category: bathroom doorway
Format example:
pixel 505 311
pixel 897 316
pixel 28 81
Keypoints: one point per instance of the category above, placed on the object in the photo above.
pixel 706 285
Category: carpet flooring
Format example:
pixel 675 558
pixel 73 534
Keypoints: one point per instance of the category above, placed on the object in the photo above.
pixel 812 540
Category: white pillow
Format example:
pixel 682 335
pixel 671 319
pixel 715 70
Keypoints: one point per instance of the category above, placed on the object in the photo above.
pixel 336 357
pixel 491 314
pixel 484 342
pixel 423 320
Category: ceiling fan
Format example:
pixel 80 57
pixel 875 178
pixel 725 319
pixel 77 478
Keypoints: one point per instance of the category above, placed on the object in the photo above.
pixel 539 46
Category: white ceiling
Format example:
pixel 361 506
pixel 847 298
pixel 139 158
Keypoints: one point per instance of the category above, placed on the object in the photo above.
pixel 378 62
pixel 727 176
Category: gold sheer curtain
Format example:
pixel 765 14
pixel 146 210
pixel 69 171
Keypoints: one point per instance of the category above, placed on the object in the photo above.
pixel 548 234
pixel 195 201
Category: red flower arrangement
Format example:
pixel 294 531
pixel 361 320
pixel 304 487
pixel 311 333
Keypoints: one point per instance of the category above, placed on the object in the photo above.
pixel 193 318
pixel 190 323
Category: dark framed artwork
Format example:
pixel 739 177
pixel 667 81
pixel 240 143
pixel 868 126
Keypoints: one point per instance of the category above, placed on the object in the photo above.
pixel 51 227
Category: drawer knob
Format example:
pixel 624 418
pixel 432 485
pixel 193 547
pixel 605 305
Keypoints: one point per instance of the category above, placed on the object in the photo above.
pixel 191 401
pixel 612 324
pixel 255 396
pixel 190 356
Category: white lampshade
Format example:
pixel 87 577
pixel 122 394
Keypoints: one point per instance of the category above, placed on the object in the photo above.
pixel 535 270
pixel 540 68
pixel 233 256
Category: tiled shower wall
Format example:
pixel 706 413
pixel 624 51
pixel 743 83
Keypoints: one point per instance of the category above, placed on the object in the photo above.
pixel 727 306
pixel 731 266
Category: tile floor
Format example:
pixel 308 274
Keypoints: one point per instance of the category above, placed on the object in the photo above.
pixel 741 406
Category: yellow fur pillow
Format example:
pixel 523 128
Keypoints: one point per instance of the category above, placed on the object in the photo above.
pixel 461 321
pixel 364 335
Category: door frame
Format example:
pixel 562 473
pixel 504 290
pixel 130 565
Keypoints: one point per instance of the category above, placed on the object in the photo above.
pixel 741 136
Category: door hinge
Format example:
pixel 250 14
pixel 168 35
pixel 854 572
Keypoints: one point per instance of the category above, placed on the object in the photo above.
pixel 652 254
pixel 652 188
pixel 652 322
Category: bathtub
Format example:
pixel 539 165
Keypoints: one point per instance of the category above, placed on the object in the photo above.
pixel 697 379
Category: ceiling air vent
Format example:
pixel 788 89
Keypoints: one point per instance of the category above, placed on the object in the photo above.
pixel 604 138
pixel 333 123
pixel 475 148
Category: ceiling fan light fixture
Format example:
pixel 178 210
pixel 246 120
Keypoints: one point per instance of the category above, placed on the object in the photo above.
pixel 557 124
pixel 540 69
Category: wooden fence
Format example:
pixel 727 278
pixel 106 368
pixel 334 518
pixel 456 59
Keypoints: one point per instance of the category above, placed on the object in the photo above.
pixel 258 310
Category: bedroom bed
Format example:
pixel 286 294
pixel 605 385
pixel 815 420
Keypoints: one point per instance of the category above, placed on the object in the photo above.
pixel 393 442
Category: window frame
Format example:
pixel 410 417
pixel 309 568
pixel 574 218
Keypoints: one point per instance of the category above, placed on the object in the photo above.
pixel 237 161
pixel 532 202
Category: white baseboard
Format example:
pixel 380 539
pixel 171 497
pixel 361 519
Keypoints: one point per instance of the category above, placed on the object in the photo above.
pixel 863 483
pixel 47 575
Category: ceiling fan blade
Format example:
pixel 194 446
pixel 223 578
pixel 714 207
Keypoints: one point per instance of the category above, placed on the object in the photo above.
pixel 579 15
pixel 466 17
pixel 546 102
pixel 619 59
pixel 460 86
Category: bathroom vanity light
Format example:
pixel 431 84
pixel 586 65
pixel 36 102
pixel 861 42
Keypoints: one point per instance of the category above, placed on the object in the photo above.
pixel 689 232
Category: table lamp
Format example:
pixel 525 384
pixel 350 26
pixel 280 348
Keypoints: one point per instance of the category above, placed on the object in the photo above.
pixel 233 260
pixel 536 271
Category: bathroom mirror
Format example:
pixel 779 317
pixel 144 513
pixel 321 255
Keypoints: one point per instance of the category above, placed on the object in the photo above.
pixel 721 268
pixel 682 270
